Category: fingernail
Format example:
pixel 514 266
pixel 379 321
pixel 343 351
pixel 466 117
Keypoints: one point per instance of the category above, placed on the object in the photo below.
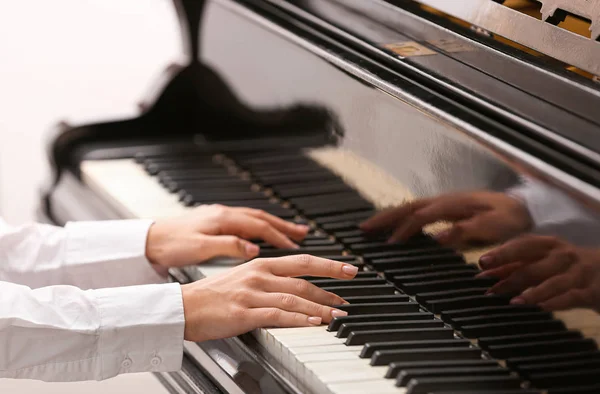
pixel 350 269
pixel 303 227
pixel 442 236
pixel 485 261
pixel 338 313
pixel 517 301
pixel 489 293
pixel 315 320
pixel 295 246
pixel 252 250
pixel 481 275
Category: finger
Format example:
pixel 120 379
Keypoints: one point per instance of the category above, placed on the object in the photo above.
pixel 226 245
pixel 525 249
pixel 501 272
pixel 391 217
pixel 304 289
pixel 250 227
pixel 530 275
pixel 273 317
pixel 292 303
pixel 450 207
pixel 295 231
pixel 303 264
pixel 549 289
pixel 574 298
pixel 473 232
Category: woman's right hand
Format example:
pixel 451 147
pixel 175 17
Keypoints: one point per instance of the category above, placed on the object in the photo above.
pixel 262 293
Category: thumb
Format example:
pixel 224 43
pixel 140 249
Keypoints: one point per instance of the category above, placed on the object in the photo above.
pixel 226 246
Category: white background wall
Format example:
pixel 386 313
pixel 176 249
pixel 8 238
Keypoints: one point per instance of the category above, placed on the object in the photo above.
pixel 79 60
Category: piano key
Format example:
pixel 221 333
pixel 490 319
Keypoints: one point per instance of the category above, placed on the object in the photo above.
pixel 552 367
pixel 375 308
pixel 448 284
pixel 349 291
pixel 339 226
pixel 371 347
pixel 360 338
pixel 583 377
pixel 349 233
pixel 405 376
pixel 521 327
pixel 379 299
pixel 433 276
pixel 283 179
pixel 450 315
pixel 336 323
pixel 190 199
pixel 541 347
pixel 485 342
pixel 344 217
pixel 343 258
pixel 514 391
pixel 369 386
pixel 517 362
pixel 319 210
pixel 577 389
pixel 313 250
pixel 345 198
pixel 411 261
pixel 385 357
pixel 483 383
pixel 477 301
pixel 396 367
pixel 440 295
pixel 421 250
pixel 350 282
pixel 208 184
pixel 347 328
pixel 303 190
pixel 431 268
pixel 500 318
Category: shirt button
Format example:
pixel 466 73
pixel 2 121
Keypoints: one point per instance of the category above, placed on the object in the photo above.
pixel 126 363
pixel 155 361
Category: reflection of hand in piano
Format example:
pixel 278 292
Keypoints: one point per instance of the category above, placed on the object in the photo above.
pixel 548 271
pixel 262 293
pixel 471 214
pixel 212 231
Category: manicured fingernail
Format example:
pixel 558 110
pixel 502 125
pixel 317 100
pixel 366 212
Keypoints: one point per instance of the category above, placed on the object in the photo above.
pixel 338 313
pixel 485 261
pixel 517 301
pixel 302 227
pixel 350 269
pixel 252 250
pixel 315 320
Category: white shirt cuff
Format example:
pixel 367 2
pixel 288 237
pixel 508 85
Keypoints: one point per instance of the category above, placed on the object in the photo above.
pixel 141 329
pixel 119 246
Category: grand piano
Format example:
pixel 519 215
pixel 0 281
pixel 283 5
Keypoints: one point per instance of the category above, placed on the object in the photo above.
pixel 324 111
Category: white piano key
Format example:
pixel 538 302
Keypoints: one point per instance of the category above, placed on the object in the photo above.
pixel 356 370
pixel 384 386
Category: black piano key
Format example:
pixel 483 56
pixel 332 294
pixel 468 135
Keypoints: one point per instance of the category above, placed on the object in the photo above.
pixel 347 328
pixel 349 233
pixel 441 275
pixel 309 190
pixel 553 367
pixel 577 389
pixel 191 199
pixel 583 377
pixel 379 299
pixel 483 383
pixel 405 376
pixel 314 250
pixel 350 282
pixel 385 357
pixel 396 367
pixel 438 306
pixel 208 184
pixel 333 209
pixel 302 177
pixel 345 198
pixel 430 268
pixel 344 218
pixel 339 226
pixel 450 315
pixel 521 327
pixel 513 391
pixel 317 242
pixel 419 250
pixel 517 362
pixel 441 295
pixel 486 342
pixel 349 291
pixel 411 261
pixel 423 334
pixel 375 308
pixel 500 318
pixel 337 322
pixel 541 347
pixel 371 347
pixel 448 284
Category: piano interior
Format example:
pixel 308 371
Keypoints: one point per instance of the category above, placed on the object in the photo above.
pixel 325 111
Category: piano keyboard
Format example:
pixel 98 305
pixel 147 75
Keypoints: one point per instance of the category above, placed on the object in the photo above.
pixel 418 320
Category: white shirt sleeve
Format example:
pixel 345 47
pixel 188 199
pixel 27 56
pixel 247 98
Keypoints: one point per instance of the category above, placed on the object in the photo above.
pixel 64 333
pixel 555 213
pixel 88 255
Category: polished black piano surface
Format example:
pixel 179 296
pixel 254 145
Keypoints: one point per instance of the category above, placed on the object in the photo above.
pixel 323 112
